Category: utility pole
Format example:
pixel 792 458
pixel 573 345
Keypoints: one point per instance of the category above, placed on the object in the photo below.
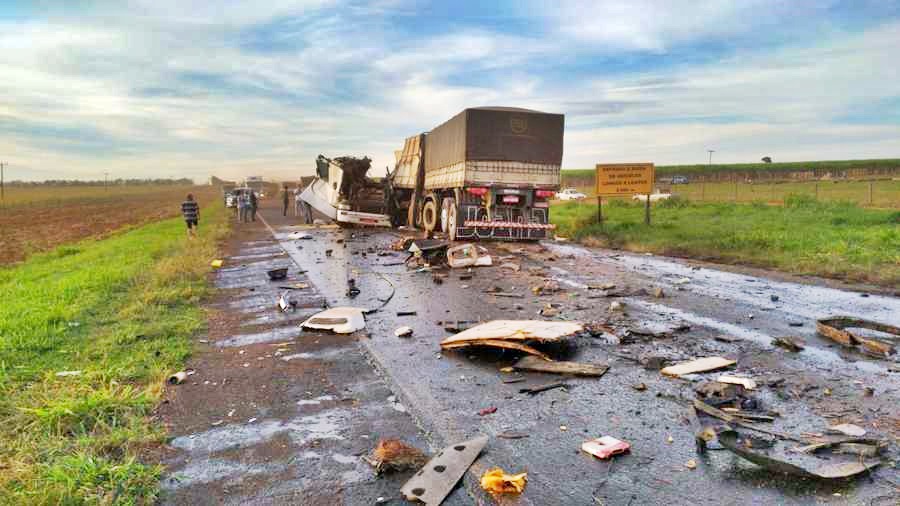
pixel 106 181
pixel 711 151
pixel 2 165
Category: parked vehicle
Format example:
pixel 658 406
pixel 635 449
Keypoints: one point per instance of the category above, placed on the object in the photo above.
pixel 679 180
pixel 570 194
pixel 653 197
pixel 488 172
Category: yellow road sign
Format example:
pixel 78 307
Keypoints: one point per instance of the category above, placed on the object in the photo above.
pixel 620 179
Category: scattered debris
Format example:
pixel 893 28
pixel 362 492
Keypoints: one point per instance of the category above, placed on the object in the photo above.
pixel 682 281
pixel 726 339
pixel 616 306
pixel 436 479
pixel 286 301
pixel 299 236
pixel 487 411
pixel 496 481
pixel 512 333
pixel 216 263
pixel 640 387
pixel 340 320
pixel 352 289
pixel 406 313
pixel 328 252
pixel 747 383
pixel 512 435
pixel 395 455
pixel 277 274
pixel 835 329
pixel 542 388
pixel 175 379
pixel 691 464
pixel 463 255
pixel 605 447
pixel 604 286
pixel 789 343
pixel 513 380
pixel 403 332
pixel 695 366
pixel 63 374
pixel 547 287
pixel 848 429
pixel 659 293
pixel 773 298
pixel 548 311
pixel 535 364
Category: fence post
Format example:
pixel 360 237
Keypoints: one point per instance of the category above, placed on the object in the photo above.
pixel 870 192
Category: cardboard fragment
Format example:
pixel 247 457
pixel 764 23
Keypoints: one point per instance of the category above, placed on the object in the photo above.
pixel 576 368
pixel 695 366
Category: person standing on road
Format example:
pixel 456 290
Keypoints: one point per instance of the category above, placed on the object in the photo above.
pixel 285 199
pixel 243 204
pixel 253 204
pixel 191 212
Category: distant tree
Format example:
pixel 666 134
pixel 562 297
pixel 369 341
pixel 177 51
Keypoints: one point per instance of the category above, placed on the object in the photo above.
pixel 767 159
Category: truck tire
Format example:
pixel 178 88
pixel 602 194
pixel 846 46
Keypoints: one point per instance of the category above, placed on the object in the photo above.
pixel 448 218
pixel 429 216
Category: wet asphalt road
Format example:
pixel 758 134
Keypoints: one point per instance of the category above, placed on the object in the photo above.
pixel 823 385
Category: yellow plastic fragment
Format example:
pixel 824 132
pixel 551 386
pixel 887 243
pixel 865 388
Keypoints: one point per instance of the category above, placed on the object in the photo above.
pixel 496 481
pixel 216 264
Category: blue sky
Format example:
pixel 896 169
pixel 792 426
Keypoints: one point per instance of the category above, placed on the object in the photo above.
pixel 173 88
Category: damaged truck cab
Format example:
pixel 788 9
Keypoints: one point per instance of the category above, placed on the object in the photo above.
pixel 487 173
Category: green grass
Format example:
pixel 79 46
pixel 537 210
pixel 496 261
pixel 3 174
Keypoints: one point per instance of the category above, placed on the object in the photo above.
pixel 804 236
pixel 120 310
pixel 688 170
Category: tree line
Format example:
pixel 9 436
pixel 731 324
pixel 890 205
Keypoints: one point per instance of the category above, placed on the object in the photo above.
pixel 100 182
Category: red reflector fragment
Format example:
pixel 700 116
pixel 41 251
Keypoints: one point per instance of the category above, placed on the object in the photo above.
pixel 544 193
pixel 510 199
pixel 477 191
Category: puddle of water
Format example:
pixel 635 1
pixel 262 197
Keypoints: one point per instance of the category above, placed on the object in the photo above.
pixel 209 470
pixel 269 336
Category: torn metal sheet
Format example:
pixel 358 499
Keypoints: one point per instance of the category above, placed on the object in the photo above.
pixel 498 343
pixel 797 464
pixel 695 366
pixel 514 330
pixel 835 329
pixel 576 368
pixel 340 320
pixel 432 483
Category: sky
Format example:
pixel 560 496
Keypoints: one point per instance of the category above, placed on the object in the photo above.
pixel 169 88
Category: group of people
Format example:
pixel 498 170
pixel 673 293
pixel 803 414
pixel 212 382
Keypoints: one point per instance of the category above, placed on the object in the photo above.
pixel 299 205
pixel 246 207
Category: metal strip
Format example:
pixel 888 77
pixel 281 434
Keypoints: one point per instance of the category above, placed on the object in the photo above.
pixel 432 483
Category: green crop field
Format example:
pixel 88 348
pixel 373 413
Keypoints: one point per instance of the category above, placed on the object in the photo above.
pixel 88 332
pixel 804 236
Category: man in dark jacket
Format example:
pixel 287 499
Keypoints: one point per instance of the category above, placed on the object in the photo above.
pixel 253 204
pixel 285 199
pixel 191 212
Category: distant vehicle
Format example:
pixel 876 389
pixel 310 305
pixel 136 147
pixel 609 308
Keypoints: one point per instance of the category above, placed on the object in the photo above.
pixel 679 180
pixel 570 194
pixel 653 197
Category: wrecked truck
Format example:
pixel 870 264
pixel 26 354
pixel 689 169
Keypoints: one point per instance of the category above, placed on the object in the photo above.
pixel 487 173
pixel 343 192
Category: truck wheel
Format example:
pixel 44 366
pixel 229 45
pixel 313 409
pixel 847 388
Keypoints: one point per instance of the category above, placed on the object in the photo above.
pixel 429 216
pixel 451 219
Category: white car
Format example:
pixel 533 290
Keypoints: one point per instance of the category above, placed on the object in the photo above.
pixel 654 197
pixel 570 194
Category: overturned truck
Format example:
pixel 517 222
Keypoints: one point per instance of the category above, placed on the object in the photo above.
pixel 343 192
pixel 488 172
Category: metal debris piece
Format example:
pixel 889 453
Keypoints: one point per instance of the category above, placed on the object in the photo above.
pixel 605 447
pixel 835 329
pixel 512 435
pixel 789 343
pixel 542 388
pixel 747 383
pixel 487 411
pixel 496 481
pixel 848 429
pixel 340 320
pixel 395 455
pixel 536 365
pixel 695 366
pixel 511 334
pixel 403 332
pixel 432 483
pixel 175 379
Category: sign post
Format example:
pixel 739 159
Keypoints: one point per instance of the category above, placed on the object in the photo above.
pixel 625 180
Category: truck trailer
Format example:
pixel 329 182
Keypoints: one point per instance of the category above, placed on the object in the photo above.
pixel 487 173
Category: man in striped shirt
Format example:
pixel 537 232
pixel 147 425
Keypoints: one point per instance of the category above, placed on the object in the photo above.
pixel 191 212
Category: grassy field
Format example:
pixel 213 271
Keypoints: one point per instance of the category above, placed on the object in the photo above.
pixel 804 236
pixel 882 193
pixel 689 170
pixel 40 218
pixel 119 312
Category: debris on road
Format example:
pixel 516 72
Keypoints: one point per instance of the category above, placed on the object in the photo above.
pixel 277 274
pixel 63 374
pixel 747 383
pixel 695 366
pixel 406 313
pixel 547 287
pixel 848 429
pixel 216 263
pixel 542 388
pixel 616 306
pixel 535 364
pixel 789 343
pixel 605 447
pixel 512 435
pixel 403 332
pixel 835 329
pixel 286 301
pixel 691 464
pixel 496 481
pixel 511 334
pixel 640 387
pixel 461 256
pixel 395 455
pixel 436 479
pixel 340 320
pixel 548 311
pixel 299 236
pixel 175 379
pixel 511 266
pixel 487 411
pixel 659 293
pixel 352 289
